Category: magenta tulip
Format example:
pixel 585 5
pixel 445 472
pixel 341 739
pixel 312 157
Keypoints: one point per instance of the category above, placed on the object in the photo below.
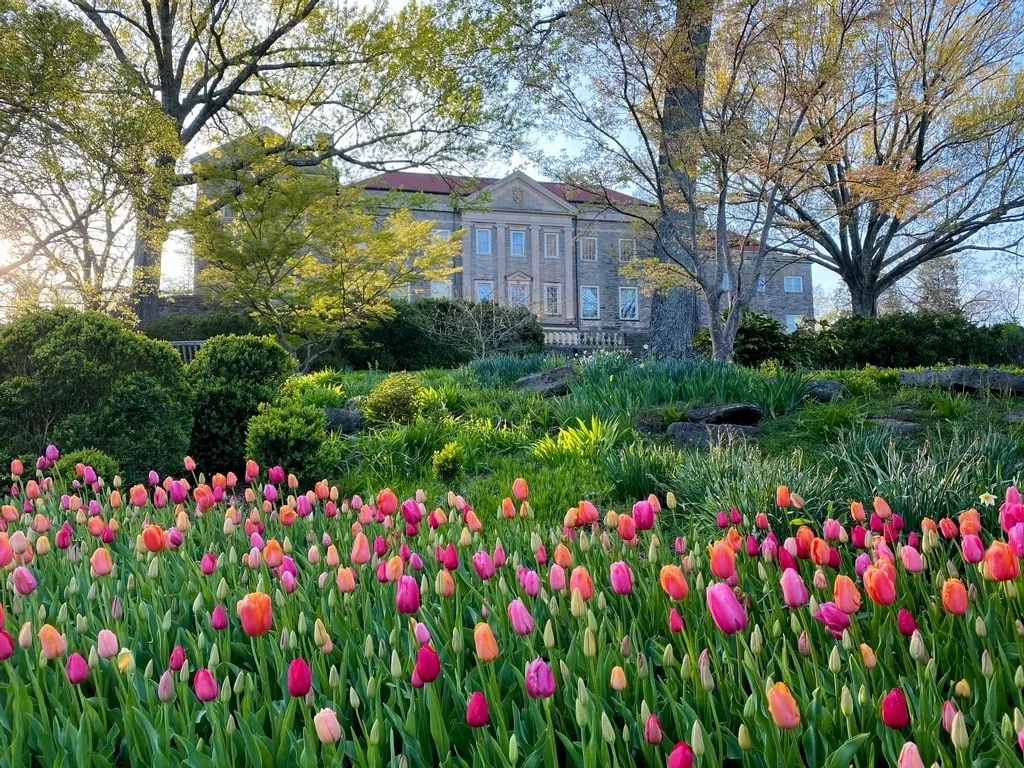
pixel 725 609
pixel 621 578
pixel 477 715
pixel 300 678
pixel 519 615
pixel 77 669
pixel 407 596
pixel 540 680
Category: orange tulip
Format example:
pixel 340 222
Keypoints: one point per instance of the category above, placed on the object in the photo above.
pixel 879 586
pixel 115 500
pixel 53 642
pixel 782 497
pixel 845 594
pixel 360 549
pixel 782 706
pixel 580 579
pixel 508 508
pixel 882 508
pixel 273 554
pixel 1000 562
pixel 820 551
pixel 486 645
pixel 520 489
pixel 970 522
pixel 563 556
pixel 571 518
pixel 346 580
pixel 254 611
pixel 723 559
pixel 673 582
pixel 153 538
pixel 138 495
pixel 473 522
pixel 101 562
pixel 95 525
pixel 393 568
pixel 954 597
pixel 857 511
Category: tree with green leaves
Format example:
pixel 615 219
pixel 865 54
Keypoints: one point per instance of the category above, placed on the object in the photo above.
pixel 704 108
pixel 308 257
pixel 357 84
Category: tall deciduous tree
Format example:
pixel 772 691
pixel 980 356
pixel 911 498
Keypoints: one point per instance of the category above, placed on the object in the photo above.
pixel 934 167
pixel 371 88
pixel 705 107
pixel 308 257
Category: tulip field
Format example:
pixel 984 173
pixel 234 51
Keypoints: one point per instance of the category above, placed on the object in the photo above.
pixel 248 621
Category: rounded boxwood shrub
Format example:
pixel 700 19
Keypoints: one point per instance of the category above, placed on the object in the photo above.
pixel 448 463
pixel 103 465
pixel 232 376
pixel 394 401
pixel 293 436
pixel 81 379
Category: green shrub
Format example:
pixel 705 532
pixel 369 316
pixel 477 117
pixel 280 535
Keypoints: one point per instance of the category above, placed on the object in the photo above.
pixel 430 404
pixel 232 376
pixel 584 441
pixel 641 469
pixel 905 341
pixel 82 379
pixel 394 401
pixel 292 436
pixel 103 465
pixel 322 389
pixel 759 338
pixel 448 462
pixel 199 326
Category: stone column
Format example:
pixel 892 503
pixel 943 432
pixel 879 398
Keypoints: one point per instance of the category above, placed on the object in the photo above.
pixel 569 289
pixel 499 278
pixel 537 284
pixel 468 292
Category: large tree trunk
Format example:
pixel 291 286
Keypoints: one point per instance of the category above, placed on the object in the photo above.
pixel 863 297
pixel 152 207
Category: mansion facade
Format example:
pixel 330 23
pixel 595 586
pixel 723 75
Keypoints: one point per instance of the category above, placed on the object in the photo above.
pixel 557 250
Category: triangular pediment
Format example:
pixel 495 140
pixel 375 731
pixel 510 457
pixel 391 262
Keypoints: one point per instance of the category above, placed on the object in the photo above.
pixel 518 192
pixel 519 277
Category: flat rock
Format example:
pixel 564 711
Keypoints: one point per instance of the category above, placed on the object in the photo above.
pixel 825 390
pixel 899 426
pixel 550 383
pixel 746 414
pixel 703 436
pixel 965 379
pixel 347 421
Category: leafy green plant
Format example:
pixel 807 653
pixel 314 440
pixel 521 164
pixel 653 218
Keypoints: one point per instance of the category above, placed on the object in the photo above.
pixel 232 376
pixel 448 463
pixel 104 466
pixel 394 400
pixel 292 436
pixel 504 370
pixel 640 469
pixel 948 405
pixel 593 440
pixel 430 404
pixel 322 389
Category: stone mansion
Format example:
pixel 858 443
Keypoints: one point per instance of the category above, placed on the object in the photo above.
pixel 557 250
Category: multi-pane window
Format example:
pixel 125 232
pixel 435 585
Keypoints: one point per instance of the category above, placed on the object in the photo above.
pixel 590 302
pixel 519 294
pixel 627 249
pixel 588 249
pixel 517 243
pixel 483 241
pixel 551 245
pixel 762 284
pixel 627 303
pixel 484 290
pixel 793 322
pixel 794 284
pixel 552 299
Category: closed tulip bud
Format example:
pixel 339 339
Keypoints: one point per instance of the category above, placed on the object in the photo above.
pixel 958 733
pixel 625 646
pixel 668 657
pixel 165 688
pixel 986 664
pixel 697 739
pixel 607 730
pixel 577 606
pixel 1018 677
pixel 846 702
pixel 125 661
pixel 963 689
pixel 756 641
pixel 917 647
pixel 353 698
pixel 834 662
pixel 618 679
pixel 513 750
pixel 707 681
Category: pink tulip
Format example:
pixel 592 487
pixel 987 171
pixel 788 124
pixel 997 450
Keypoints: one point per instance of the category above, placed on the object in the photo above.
pixel 556 578
pixel 476 710
pixel 519 615
pixel 483 565
pixel 407 595
pixel 643 515
pixel 681 756
pixel 675 621
pixel 911 559
pixel 106 644
pixel 219 618
pixel 949 711
pixel 204 685
pixel 652 730
pixel 621 578
pixel 794 592
pixel 725 609
pixel 973 549
pixel 909 757
pixel 77 669
pixel 905 622
pixel 428 665
pixel 275 475
pixel 833 619
pixel 540 681
pixel 208 564
pixel 24 581
pixel 299 678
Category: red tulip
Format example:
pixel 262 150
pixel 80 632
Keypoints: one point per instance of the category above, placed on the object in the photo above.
pixel 299 678
pixel 894 710
pixel 905 622
pixel 477 715
pixel 428 665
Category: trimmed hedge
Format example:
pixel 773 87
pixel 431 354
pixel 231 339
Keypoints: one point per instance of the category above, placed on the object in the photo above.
pixel 84 380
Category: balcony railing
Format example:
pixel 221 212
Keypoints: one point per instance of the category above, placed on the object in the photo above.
pixel 584 339
pixel 187 349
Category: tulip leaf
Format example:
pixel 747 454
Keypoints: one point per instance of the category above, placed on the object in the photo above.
pixel 844 755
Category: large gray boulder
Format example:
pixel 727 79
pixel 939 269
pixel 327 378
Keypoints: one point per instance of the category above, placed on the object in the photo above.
pixel 825 390
pixel 965 379
pixel 897 426
pixel 733 413
pixel 347 421
pixel 703 436
pixel 550 383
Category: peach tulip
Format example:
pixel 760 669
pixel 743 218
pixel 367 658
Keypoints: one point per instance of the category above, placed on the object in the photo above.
pixel 782 706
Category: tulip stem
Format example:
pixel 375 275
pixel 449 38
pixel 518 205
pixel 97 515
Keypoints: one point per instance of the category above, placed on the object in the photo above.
pixel 551 732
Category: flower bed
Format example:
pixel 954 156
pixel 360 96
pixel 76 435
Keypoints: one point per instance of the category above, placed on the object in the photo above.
pixel 244 621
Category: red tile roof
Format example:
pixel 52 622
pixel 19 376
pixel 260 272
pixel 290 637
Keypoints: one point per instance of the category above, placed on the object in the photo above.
pixel 440 184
